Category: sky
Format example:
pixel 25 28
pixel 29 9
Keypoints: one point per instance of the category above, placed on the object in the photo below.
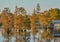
pixel 29 5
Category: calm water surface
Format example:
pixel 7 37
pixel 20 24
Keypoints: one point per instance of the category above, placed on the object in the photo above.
pixel 13 38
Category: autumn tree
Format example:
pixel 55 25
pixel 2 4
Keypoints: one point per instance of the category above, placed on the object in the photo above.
pixel 4 22
pixel 55 13
pixel 20 20
pixel 7 22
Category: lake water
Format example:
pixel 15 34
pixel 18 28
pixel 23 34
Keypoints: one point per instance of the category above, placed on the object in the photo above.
pixel 13 38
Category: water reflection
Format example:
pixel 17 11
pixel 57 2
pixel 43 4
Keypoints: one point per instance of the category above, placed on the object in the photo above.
pixel 12 39
pixel 1 37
